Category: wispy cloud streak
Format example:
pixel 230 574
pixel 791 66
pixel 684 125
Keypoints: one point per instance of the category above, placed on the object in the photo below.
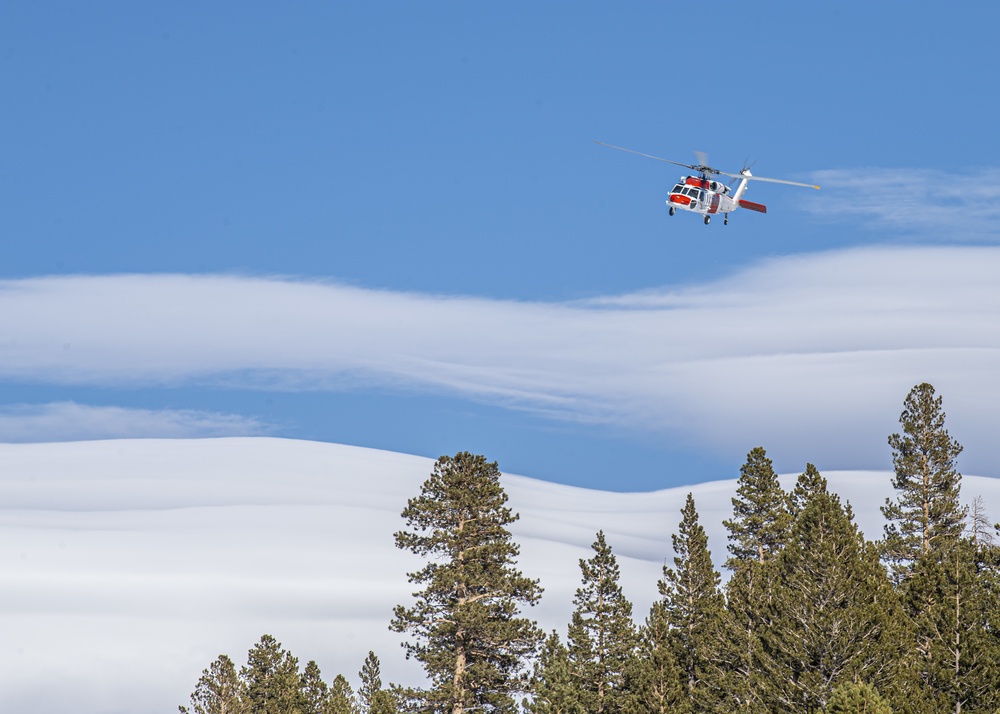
pixel 918 202
pixel 69 421
pixel 819 349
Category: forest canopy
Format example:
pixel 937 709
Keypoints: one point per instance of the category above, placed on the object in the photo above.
pixel 812 616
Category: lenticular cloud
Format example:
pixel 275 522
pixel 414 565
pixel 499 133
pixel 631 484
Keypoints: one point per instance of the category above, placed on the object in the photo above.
pixel 816 350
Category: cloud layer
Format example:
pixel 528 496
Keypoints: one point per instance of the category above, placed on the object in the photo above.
pixel 69 421
pixel 816 352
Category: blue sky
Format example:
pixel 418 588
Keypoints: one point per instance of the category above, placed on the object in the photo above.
pixel 387 224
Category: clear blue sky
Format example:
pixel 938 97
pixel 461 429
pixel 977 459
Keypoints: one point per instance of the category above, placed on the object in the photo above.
pixel 442 152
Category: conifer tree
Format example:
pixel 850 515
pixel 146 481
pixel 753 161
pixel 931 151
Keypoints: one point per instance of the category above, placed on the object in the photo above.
pixel 926 510
pixel 657 683
pixel 271 679
pixel 738 656
pixel 832 610
pixel 315 693
pixel 341 697
pixel 694 608
pixel 553 687
pixel 469 636
pixel 955 616
pixel 856 698
pixel 601 634
pixel 218 690
pixel 760 512
pixel 372 698
pixel 757 530
pixel 809 483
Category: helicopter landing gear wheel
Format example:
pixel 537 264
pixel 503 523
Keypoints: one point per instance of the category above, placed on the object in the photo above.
pixel 672 210
pixel 708 219
pixel 725 221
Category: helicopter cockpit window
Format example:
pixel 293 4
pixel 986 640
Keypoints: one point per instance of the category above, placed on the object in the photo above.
pixel 678 188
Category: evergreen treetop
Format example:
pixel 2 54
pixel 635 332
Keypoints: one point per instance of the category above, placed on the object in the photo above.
pixel 809 483
pixel 601 637
pixel 341 697
pixel 926 510
pixel 831 617
pixel 693 605
pixel 760 512
pixel 372 698
pixel 468 635
pixel 218 690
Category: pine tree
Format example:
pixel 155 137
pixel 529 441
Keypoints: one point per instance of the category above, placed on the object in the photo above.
pixel 315 693
pixel 271 679
pixel 737 664
pixel 857 698
pixel 808 485
pixel 955 618
pixel 926 511
pixel 656 682
pixel 341 697
pixel 601 634
pixel 694 608
pixel 757 530
pixel 832 610
pixel 553 687
pixel 372 698
pixel 469 637
pixel 218 690
pixel 760 512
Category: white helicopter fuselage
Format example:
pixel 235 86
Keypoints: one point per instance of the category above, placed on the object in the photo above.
pixel 706 196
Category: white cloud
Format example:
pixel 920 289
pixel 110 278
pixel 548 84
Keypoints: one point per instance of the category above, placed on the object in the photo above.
pixel 934 204
pixel 810 355
pixel 69 421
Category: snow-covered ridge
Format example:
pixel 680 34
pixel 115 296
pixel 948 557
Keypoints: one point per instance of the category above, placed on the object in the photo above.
pixel 127 566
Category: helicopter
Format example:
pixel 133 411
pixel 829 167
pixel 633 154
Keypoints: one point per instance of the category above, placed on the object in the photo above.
pixel 706 195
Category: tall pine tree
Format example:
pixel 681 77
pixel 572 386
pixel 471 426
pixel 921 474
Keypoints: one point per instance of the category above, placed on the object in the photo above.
pixel 926 510
pixel 831 615
pixel 469 636
pixel 602 636
pixel 757 530
pixel 760 512
pixel 694 607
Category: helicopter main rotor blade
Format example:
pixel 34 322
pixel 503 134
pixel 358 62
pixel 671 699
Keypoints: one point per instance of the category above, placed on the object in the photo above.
pixel 771 180
pixel 649 156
